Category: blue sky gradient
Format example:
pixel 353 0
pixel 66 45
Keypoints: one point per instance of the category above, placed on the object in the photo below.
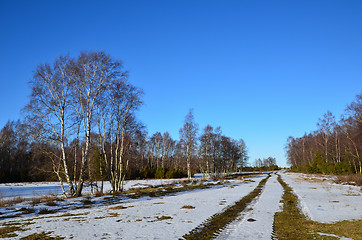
pixel 262 70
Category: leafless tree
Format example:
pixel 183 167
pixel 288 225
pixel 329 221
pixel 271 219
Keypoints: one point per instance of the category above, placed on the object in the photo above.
pixel 326 126
pixel 340 143
pixel 166 146
pixel 188 138
pixel 126 100
pixel 94 74
pixel 206 148
pixel 155 145
pixel 49 109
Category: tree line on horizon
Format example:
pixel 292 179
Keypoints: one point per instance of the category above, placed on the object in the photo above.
pixel 334 148
pixel 80 125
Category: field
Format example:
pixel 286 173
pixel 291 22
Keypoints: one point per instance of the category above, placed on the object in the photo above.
pixel 174 209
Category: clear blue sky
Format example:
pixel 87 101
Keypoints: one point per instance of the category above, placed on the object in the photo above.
pixel 262 70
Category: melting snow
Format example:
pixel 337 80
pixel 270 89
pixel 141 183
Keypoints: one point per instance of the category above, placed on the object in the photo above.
pixel 165 217
pixel 324 201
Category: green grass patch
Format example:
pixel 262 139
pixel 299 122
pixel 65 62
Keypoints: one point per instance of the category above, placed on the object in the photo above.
pixel 214 225
pixel 290 222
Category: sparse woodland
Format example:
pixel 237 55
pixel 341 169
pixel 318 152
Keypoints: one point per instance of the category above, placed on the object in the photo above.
pixel 335 147
pixel 80 126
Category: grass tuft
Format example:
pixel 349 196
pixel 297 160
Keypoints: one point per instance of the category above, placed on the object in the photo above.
pixel 51 204
pixel 117 207
pixel 26 210
pixel 163 218
pixel 43 235
pixel 10 202
pixel 45 211
pixel 187 207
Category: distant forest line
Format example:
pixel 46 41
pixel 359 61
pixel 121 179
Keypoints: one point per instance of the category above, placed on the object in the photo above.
pixel 334 148
pixel 80 125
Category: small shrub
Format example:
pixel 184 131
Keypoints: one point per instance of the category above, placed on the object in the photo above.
pixel 137 190
pixel 160 173
pixel 175 173
pixel 169 187
pixel 343 167
pixel 35 201
pixel 47 198
pixel 320 166
pixel 45 211
pixel 18 200
pixel 87 201
pixel 147 172
pixel 98 194
pixel 51 204
pixel 26 210
pixel 152 194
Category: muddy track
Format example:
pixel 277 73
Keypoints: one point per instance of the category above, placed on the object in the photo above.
pixel 213 226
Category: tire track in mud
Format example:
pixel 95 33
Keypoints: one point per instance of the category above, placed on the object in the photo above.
pixel 213 226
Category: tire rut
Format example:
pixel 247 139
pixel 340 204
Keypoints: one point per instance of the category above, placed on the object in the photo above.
pixel 214 225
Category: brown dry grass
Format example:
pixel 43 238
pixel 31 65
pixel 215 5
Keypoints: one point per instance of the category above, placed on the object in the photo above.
pixel 187 207
pixel 117 207
pixel 10 202
pixel 353 179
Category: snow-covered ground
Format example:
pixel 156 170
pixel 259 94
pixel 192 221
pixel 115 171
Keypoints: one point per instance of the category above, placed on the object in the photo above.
pixel 257 221
pixel 324 201
pixel 144 218
pixel 172 216
pixel 37 189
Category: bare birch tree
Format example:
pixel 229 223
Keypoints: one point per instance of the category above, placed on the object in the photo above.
pixel 206 147
pixel 326 126
pixel 188 138
pixel 49 109
pixel 95 72
pixel 126 100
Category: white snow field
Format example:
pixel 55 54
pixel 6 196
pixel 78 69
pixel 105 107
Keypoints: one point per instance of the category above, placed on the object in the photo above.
pixel 324 201
pixel 257 222
pixel 143 218
pixel 172 216
pixel 37 189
